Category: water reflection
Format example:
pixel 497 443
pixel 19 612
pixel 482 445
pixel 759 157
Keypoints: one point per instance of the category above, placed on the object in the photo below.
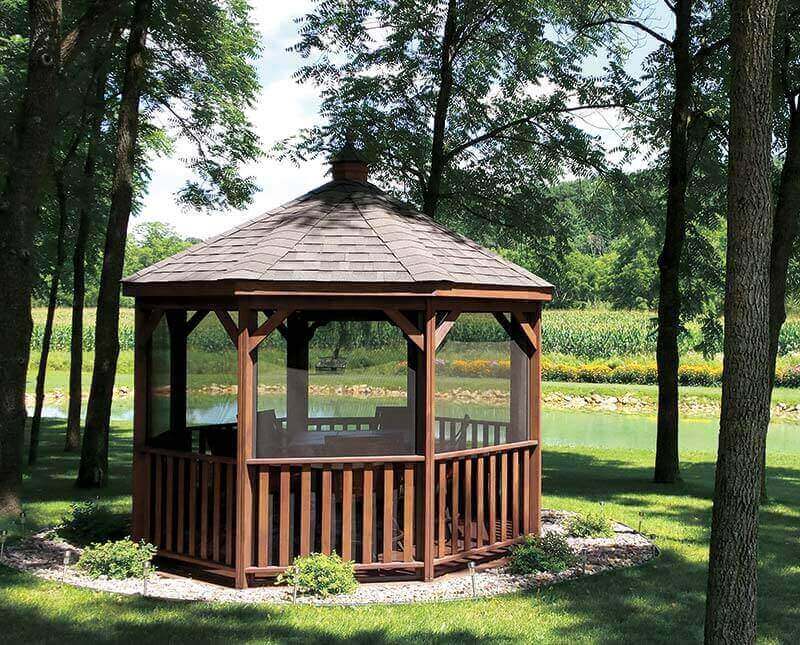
pixel 559 427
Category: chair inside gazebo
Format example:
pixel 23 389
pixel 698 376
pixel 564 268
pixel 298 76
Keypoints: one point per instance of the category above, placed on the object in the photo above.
pixel 338 450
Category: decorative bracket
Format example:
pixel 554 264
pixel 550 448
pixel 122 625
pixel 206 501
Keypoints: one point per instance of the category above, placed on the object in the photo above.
pixel 445 326
pixel 195 320
pixel 412 333
pixel 271 324
pixel 148 327
pixel 229 325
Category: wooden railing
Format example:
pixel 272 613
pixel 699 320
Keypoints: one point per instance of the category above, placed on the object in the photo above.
pixel 365 512
pixel 191 499
pixel 463 432
pixel 483 499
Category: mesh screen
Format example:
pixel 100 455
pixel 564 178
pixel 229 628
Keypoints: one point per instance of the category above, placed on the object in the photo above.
pixel 344 392
pixel 159 404
pixel 481 386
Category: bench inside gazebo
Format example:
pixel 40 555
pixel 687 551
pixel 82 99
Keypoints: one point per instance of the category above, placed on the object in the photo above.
pixel 399 489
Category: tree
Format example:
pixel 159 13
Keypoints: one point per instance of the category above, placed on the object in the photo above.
pixel 683 53
pixel 787 206
pixel 93 470
pixel 197 71
pixel 468 109
pixel 19 203
pixel 732 571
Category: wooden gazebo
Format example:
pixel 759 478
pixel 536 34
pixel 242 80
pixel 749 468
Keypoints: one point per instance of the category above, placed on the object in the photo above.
pixel 403 492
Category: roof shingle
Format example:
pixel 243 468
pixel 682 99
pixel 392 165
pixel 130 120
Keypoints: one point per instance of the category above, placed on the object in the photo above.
pixel 343 231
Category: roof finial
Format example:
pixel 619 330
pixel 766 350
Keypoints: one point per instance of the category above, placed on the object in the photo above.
pixel 349 164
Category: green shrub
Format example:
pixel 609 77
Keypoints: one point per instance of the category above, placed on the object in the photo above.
pixel 320 574
pixel 551 552
pixel 118 560
pixel 90 521
pixel 589 525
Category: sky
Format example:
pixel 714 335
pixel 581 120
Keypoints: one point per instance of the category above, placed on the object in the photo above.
pixel 283 108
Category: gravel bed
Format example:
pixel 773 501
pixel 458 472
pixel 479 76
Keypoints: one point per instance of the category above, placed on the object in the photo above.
pixel 44 557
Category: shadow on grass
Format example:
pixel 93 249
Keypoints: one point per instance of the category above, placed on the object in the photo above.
pixel 659 602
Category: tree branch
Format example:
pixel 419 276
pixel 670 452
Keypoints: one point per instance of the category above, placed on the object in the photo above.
pixel 490 134
pixel 632 23
pixel 89 24
pixel 711 48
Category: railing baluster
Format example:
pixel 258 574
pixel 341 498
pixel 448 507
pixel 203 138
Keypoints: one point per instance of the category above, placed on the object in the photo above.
pixel 229 503
pixel 263 516
pixel 408 513
pixel 503 495
pixel 492 499
pixel 204 476
pixel 454 509
pixel 442 501
pixel 388 511
pixel 170 492
pixel 283 559
pixel 217 506
pixel 181 503
pixel 467 503
pixel 347 512
pixel 325 537
pixel 479 494
pixel 366 515
pixel 157 537
pixel 305 510
pixel 515 493
pixel 192 507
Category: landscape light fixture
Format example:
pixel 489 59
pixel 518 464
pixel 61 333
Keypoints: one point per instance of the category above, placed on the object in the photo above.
pixel 67 558
pixel 3 538
pixel 471 567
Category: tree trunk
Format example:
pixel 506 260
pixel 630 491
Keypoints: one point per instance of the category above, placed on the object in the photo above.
pixel 732 570
pixel 430 198
pixel 36 422
pixel 667 465
pixel 93 470
pixel 784 234
pixel 86 199
pixel 19 204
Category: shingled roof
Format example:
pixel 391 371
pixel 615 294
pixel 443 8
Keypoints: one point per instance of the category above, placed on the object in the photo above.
pixel 345 231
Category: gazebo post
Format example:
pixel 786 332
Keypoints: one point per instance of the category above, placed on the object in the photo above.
pixel 244 445
pixel 535 383
pixel 180 439
pixel 429 419
pixel 140 396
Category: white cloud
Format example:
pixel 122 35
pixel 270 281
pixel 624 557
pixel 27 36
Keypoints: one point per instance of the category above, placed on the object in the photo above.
pixel 282 108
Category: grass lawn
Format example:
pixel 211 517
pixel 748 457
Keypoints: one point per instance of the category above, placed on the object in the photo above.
pixel 660 602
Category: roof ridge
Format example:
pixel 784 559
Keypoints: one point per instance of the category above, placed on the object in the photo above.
pixel 380 237
pixel 305 234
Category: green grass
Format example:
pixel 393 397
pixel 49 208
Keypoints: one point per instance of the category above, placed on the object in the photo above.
pixel 660 602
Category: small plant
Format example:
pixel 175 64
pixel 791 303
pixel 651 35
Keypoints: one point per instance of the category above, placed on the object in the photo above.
pixel 551 552
pixel 89 522
pixel 320 574
pixel 589 525
pixel 118 560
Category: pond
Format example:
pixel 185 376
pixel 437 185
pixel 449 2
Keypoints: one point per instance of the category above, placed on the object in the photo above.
pixel 559 427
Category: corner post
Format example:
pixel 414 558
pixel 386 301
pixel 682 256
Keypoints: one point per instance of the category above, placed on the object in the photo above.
pixel 429 357
pixel 141 395
pixel 535 381
pixel 244 445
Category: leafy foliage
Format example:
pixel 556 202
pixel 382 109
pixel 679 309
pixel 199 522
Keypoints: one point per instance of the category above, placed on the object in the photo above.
pixel 551 552
pixel 320 574
pixel 89 521
pixel 117 560
pixel 584 525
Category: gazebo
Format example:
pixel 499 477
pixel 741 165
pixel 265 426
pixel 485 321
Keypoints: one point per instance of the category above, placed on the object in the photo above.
pixel 400 490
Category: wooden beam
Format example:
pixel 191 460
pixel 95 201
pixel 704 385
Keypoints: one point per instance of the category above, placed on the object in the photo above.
pixel 429 448
pixel 244 445
pixel 230 326
pixel 148 326
pixel 412 333
pixel 195 320
pixel 445 326
pixel 141 471
pixel 270 325
pixel 535 382
pixel 527 328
